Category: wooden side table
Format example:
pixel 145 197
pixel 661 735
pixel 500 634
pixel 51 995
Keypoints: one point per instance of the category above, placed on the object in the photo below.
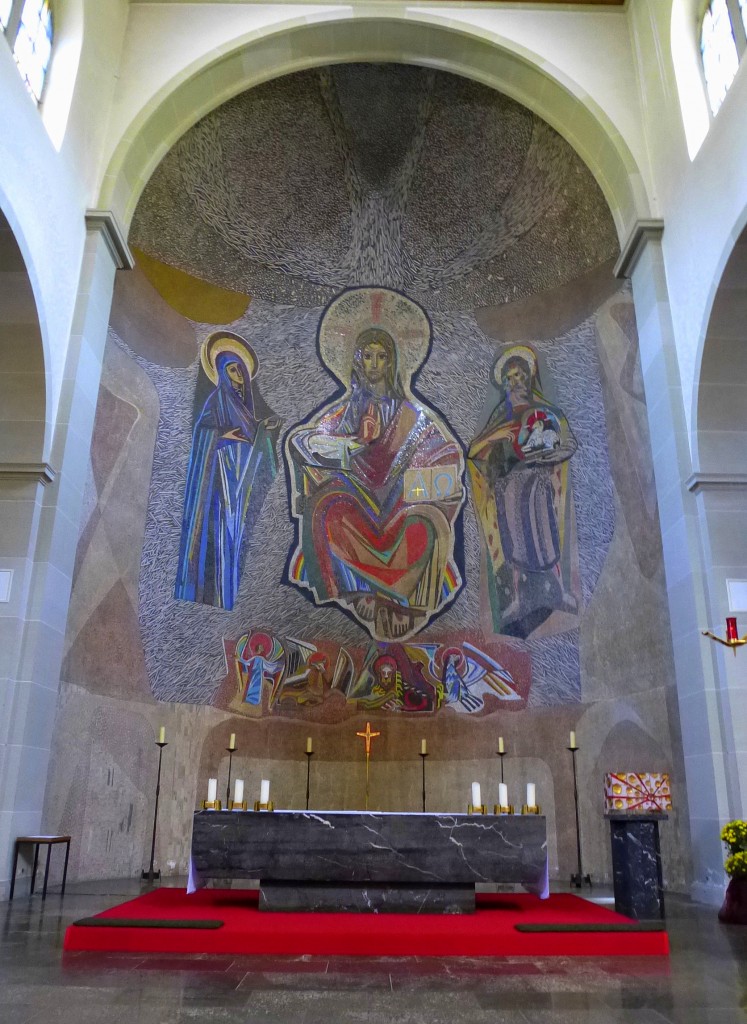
pixel 36 842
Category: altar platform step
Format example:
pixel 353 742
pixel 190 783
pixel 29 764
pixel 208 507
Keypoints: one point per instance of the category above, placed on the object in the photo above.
pixel 563 925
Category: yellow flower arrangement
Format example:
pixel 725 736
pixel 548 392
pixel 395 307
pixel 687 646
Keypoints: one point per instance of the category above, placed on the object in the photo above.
pixel 734 834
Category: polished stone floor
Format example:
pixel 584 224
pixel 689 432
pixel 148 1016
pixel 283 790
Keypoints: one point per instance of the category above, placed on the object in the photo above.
pixel 704 981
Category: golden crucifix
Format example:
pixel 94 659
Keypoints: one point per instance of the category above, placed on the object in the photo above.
pixel 367 736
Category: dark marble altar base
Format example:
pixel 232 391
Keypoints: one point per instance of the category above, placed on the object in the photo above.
pixel 392 898
pixel 356 860
pixel 636 865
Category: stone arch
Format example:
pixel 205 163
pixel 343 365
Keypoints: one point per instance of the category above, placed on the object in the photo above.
pixel 721 361
pixel 422 40
pixel 24 437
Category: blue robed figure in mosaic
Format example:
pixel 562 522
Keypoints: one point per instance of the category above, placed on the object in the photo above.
pixel 231 466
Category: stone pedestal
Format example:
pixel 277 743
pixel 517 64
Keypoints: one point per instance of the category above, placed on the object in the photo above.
pixel 636 865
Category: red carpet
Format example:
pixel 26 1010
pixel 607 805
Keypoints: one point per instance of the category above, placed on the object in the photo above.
pixel 246 930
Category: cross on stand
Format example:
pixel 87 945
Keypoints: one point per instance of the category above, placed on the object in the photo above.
pixel 367 736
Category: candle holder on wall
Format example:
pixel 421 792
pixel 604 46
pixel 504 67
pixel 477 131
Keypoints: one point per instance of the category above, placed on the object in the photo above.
pixel 211 805
pixel 531 809
pixel 269 806
pixel 503 809
pixel 151 874
pixel 733 638
pixel 234 806
pixel 482 809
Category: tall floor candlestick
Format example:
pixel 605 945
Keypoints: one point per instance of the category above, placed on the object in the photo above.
pixel 423 756
pixel 309 755
pixel 231 749
pixel 150 874
pixel 579 878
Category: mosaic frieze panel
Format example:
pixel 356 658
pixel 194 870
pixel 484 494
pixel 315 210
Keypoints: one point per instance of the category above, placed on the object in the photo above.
pixel 323 681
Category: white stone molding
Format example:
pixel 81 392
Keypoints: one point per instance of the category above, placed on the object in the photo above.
pixel 41 472
pixel 106 222
pixel 715 481
pixel 643 232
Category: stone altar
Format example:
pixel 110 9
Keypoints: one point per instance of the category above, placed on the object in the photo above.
pixel 370 861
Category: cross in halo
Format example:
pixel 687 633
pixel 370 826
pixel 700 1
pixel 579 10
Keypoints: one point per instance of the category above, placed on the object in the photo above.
pixel 368 736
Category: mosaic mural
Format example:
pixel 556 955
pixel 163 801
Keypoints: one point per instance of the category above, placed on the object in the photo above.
pixel 520 477
pixel 289 677
pixel 232 462
pixel 363 259
pixel 376 476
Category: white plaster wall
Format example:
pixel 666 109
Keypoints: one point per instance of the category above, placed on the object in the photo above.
pixel 44 193
pixel 703 202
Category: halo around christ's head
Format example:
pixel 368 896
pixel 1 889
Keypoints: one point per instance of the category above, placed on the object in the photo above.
pixel 224 342
pixel 358 309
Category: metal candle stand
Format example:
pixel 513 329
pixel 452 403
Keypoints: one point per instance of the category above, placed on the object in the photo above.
pixel 423 757
pixel 579 878
pixel 231 751
pixel 309 755
pixel 150 874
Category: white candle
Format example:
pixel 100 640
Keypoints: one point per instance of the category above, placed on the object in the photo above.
pixel 264 791
pixel 423 748
pixel 309 746
pixel 503 794
pixel 238 793
pixel 573 739
pixel 162 734
pixel 476 801
pixel 212 791
pixel 531 794
pixel 501 748
pixel 232 741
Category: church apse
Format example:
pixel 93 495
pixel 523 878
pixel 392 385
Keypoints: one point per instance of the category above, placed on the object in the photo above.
pixel 370 442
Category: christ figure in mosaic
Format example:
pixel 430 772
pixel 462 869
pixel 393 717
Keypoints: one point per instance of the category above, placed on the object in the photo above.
pixel 376 475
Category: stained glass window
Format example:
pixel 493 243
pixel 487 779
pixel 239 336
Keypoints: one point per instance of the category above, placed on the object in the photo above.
pixel 33 45
pixel 719 50
pixel 5 6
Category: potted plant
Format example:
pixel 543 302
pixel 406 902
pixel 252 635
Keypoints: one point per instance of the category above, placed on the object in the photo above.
pixel 734 909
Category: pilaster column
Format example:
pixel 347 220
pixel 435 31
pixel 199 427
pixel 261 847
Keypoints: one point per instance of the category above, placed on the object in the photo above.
pixel 698 688
pixel 33 648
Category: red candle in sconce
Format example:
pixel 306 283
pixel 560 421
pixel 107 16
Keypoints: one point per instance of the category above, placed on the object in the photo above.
pixel 731 629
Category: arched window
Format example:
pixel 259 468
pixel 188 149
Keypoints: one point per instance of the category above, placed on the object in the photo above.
pixel 722 46
pixel 28 27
